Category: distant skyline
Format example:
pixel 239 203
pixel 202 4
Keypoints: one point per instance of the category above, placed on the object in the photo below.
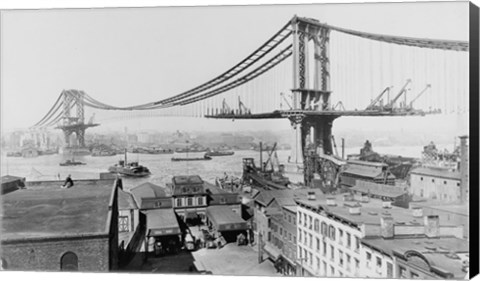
pixel 130 56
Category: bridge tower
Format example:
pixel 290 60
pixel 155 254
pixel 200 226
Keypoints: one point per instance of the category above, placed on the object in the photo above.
pixel 315 132
pixel 74 124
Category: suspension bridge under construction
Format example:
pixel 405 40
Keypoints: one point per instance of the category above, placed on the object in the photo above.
pixel 309 73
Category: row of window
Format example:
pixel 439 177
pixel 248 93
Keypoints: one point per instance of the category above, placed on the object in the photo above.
pixel 343 237
pixel 444 182
pixel 190 201
pixel 306 258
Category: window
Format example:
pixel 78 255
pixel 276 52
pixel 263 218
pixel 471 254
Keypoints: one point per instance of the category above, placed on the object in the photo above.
pixel 305 220
pixel 310 222
pixel 158 204
pixel 222 200
pixel 123 224
pixel 389 270
pixel 189 201
pixel 200 201
pixel 340 256
pixel 324 229
pixel 281 231
pixel 294 238
pixel 444 182
pixel 332 232
pixel 332 253
pixel 348 262
pixel 310 241
pixel 318 263
pixel 324 249
pixel 310 260
pixel 332 271
pixel 305 238
pixel 421 178
pixel 316 225
pixel 318 245
pixel 340 236
pixel 69 262
pixel 299 236
pixel 379 262
pixel 369 256
pixel 357 243
pixel 179 202
pixel 349 242
pixel 402 272
pixel 299 218
pixel 324 268
pixel 414 275
pixel 289 237
pixel 357 264
pixel 433 180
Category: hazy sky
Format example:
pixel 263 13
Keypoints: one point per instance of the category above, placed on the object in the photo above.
pixel 136 55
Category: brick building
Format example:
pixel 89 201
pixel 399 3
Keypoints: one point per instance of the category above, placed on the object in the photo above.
pixel 436 183
pixel 48 228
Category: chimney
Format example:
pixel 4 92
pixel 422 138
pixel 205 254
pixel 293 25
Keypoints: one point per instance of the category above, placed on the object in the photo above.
pixel 464 167
pixel 387 227
pixel 347 197
pixel 387 204
pixel 354 210
pixel 311 195
pixel 331 201
pixel 432 226
pixel 417 212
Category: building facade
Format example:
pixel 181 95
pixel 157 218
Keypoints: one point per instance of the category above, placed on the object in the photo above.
pixel 436 183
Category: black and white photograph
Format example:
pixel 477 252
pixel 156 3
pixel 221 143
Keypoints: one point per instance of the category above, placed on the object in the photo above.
pixel 308 140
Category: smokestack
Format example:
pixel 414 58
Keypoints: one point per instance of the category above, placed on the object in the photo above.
pixel 343 148
pixel 464 167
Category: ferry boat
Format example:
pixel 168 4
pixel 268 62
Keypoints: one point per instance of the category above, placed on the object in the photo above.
pixel 132 169
pixel 219 153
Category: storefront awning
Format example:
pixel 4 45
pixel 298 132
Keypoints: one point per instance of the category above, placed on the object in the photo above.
pixel 272 251
pixel 162 222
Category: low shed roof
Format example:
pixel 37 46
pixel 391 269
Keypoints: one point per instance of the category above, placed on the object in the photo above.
pixel 224 219
pixel 162 222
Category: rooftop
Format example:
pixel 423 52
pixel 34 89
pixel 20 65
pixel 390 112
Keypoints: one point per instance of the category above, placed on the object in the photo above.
pixel 45 210
pixel 284 197
pixel 8 178
pixel 224 218
pixel 378 189
pixel 180 180
pixel 367 163
pixel 370 212
pixel 460 209
pixel 436 251
pixel 162 222
pixel 436 172
pixel 126 200
pixel 365 171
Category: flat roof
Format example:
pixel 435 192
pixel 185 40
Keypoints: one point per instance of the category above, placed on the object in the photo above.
pixel 126 200
pixel 365 171
pixel 161 222
pixel 8 178
pixel 371 212
pixel 225 219
pixel 435 250
pixel 461 209
pixel 378 189
pixel 436 172
pixel 195 179
pixel 45 210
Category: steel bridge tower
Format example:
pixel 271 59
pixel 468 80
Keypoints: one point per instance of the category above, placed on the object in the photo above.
pixel 74 124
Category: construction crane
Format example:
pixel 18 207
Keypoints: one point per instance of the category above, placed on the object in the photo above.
pixel 242 109
pixel 402 91
pixel 225 108
pixel 410 106
pixel 371 106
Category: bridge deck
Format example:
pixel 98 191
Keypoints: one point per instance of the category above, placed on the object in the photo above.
pixel 277 114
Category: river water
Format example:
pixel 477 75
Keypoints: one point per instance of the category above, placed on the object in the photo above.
pixel 163 169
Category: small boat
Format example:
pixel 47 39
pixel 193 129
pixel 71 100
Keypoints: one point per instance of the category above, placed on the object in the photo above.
pixel 220 153
pixel 132 169
pixel 205 157
pixel 72 163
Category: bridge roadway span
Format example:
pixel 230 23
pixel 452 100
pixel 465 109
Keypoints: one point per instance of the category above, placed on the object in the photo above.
pixel 278 114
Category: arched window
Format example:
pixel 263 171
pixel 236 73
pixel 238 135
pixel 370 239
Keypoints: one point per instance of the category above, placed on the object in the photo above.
pixel 69 262
pixel 316 225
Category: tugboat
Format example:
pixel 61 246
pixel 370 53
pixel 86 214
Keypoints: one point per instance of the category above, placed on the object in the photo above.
pixel 132 169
